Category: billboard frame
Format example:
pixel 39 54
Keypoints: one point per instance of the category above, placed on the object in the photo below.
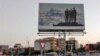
pixel 61 28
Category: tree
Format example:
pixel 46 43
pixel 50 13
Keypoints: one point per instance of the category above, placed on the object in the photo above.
pixel 81 49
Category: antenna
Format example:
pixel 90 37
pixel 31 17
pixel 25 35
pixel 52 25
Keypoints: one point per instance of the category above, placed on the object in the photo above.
pixel 28 44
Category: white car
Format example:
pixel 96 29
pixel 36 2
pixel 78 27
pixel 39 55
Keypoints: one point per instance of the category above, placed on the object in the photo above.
pixel 69 53
pixel 51 54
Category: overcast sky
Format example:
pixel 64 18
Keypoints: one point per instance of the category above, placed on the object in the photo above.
pixel 19 21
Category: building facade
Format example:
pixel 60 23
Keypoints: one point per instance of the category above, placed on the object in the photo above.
pixel 71 44
pixel 50 44
pixel 61 44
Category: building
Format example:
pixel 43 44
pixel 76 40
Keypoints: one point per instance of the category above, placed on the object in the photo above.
pixel 38 46
pixel 98 46
pixel 50 44
pixel 55 44
pixel 61 44
pixel 18 49
pixel 4 47
pixel 71 44
pixel 18 45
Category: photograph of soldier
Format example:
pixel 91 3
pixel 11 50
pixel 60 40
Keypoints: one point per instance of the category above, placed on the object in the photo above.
pixel 67 15
pixel 70 15
pixel 74 14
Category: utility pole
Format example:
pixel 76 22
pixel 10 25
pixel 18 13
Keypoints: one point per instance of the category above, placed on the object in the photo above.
pixel 28 45
pixel 65 41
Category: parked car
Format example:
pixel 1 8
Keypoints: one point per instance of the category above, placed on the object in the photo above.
pixel 51 54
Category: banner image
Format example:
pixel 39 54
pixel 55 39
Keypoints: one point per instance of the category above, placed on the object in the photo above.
pixel 61 17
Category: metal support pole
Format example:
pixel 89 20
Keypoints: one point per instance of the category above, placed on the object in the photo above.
pixel 71 47
pixel 29 51
pixel 41 52
pixel 58 44
pixel 65 41
pixel 44 52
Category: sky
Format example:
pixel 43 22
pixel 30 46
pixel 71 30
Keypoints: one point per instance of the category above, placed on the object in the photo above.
pixel 19 21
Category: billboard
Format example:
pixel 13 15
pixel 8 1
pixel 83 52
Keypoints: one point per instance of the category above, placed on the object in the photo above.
pixel 37 46
pixel 54 17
